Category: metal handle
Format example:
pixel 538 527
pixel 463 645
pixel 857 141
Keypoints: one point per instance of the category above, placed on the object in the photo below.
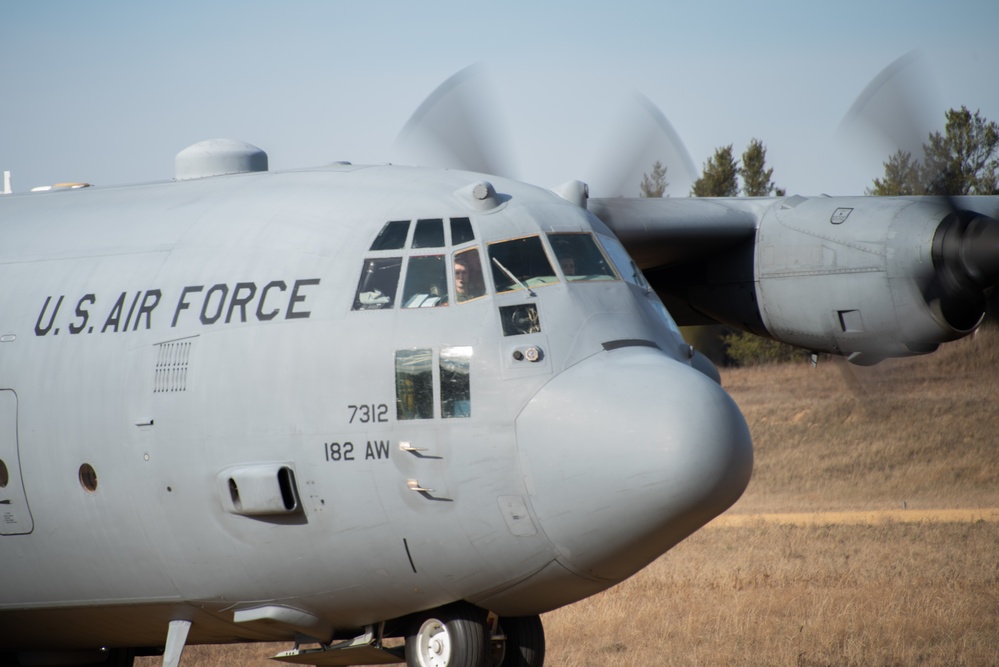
pixel 414 485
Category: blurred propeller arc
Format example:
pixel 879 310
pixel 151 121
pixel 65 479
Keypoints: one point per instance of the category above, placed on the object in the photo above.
pixel 459 126
pixel 893 112
pixel 640 136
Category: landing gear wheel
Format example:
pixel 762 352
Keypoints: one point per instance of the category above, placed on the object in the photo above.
pixel 525 641
pixel 452 636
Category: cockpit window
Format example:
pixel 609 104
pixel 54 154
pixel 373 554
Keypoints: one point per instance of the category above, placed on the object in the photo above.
pixel 579 257
pixel 429 233
pixel 520 263
pixel 461 231
pixel 426 282
pixel 622 260
pixel 630 271
pixel 456 393
pixel 469 283
pixel 414 384
pixel 393 235
pixel 378 284
pixel 520 319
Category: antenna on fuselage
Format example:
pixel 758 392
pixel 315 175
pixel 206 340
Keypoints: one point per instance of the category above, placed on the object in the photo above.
pixel 6 183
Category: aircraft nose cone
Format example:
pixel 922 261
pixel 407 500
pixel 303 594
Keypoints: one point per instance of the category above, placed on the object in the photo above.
pixel 627 453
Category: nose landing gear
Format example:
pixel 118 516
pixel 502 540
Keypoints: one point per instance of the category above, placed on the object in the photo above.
pixel 451 636
pixel 460 635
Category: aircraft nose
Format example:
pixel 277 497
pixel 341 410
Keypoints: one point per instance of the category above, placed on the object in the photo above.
pixel 627 453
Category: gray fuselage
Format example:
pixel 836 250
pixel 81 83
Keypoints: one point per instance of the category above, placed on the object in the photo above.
pixel 205 415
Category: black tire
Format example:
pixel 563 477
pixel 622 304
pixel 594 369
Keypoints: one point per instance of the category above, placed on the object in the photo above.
pixel 525 641
pixel 451 636
pixel 120 657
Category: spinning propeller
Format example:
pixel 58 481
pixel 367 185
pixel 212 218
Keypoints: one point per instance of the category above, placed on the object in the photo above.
pixel 458 126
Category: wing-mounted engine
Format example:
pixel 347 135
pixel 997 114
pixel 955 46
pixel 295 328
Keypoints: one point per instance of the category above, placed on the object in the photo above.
pixel 843 275
pixel 871 277
pixel 863 277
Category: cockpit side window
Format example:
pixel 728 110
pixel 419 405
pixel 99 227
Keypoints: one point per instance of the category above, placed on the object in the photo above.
pixel 429 233
pixel 622 260
pixel 579 257
pixel 426 282
pixel 631 273
pixel 393 235
pixel 469 283
pixel 520 262
pixel 378 284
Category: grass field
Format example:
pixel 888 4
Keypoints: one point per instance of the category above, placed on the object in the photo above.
pixel 906 436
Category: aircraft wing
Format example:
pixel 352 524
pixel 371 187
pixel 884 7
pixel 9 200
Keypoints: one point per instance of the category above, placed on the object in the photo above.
pixel 658 232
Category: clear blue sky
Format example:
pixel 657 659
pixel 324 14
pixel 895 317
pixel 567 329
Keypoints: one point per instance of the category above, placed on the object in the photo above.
pixel 109 92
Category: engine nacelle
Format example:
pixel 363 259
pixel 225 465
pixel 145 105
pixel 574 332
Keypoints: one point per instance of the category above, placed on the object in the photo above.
pixel 863 277
pixel 850 277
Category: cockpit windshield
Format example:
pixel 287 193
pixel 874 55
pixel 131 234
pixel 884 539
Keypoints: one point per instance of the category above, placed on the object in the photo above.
pixel 378 283
pixel 579 257
pixel 520 263
pixel 429 233
pixel 426 282
pixel 426 277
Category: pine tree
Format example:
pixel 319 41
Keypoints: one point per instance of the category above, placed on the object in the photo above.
pixel 902 177
pixel 720 176
pixel 654 185
pixel 755 176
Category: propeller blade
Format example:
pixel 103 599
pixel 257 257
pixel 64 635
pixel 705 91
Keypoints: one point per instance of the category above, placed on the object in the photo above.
pixel 458 127
pixel 893 113
pixel 641 136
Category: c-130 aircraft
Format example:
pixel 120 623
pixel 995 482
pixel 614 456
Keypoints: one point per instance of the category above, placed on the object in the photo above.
pixel 341 405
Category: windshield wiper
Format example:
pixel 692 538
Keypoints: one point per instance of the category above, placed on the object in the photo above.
pixel 513 277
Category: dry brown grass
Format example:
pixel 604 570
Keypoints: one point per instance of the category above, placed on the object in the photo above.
pixel 918 432
pixel 893 594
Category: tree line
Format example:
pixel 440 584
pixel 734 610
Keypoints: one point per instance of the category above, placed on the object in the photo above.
pixel 963 160
pixel 720 175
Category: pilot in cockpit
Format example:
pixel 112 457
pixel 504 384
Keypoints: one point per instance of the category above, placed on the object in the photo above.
pixel 426 285
pixel 468 281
